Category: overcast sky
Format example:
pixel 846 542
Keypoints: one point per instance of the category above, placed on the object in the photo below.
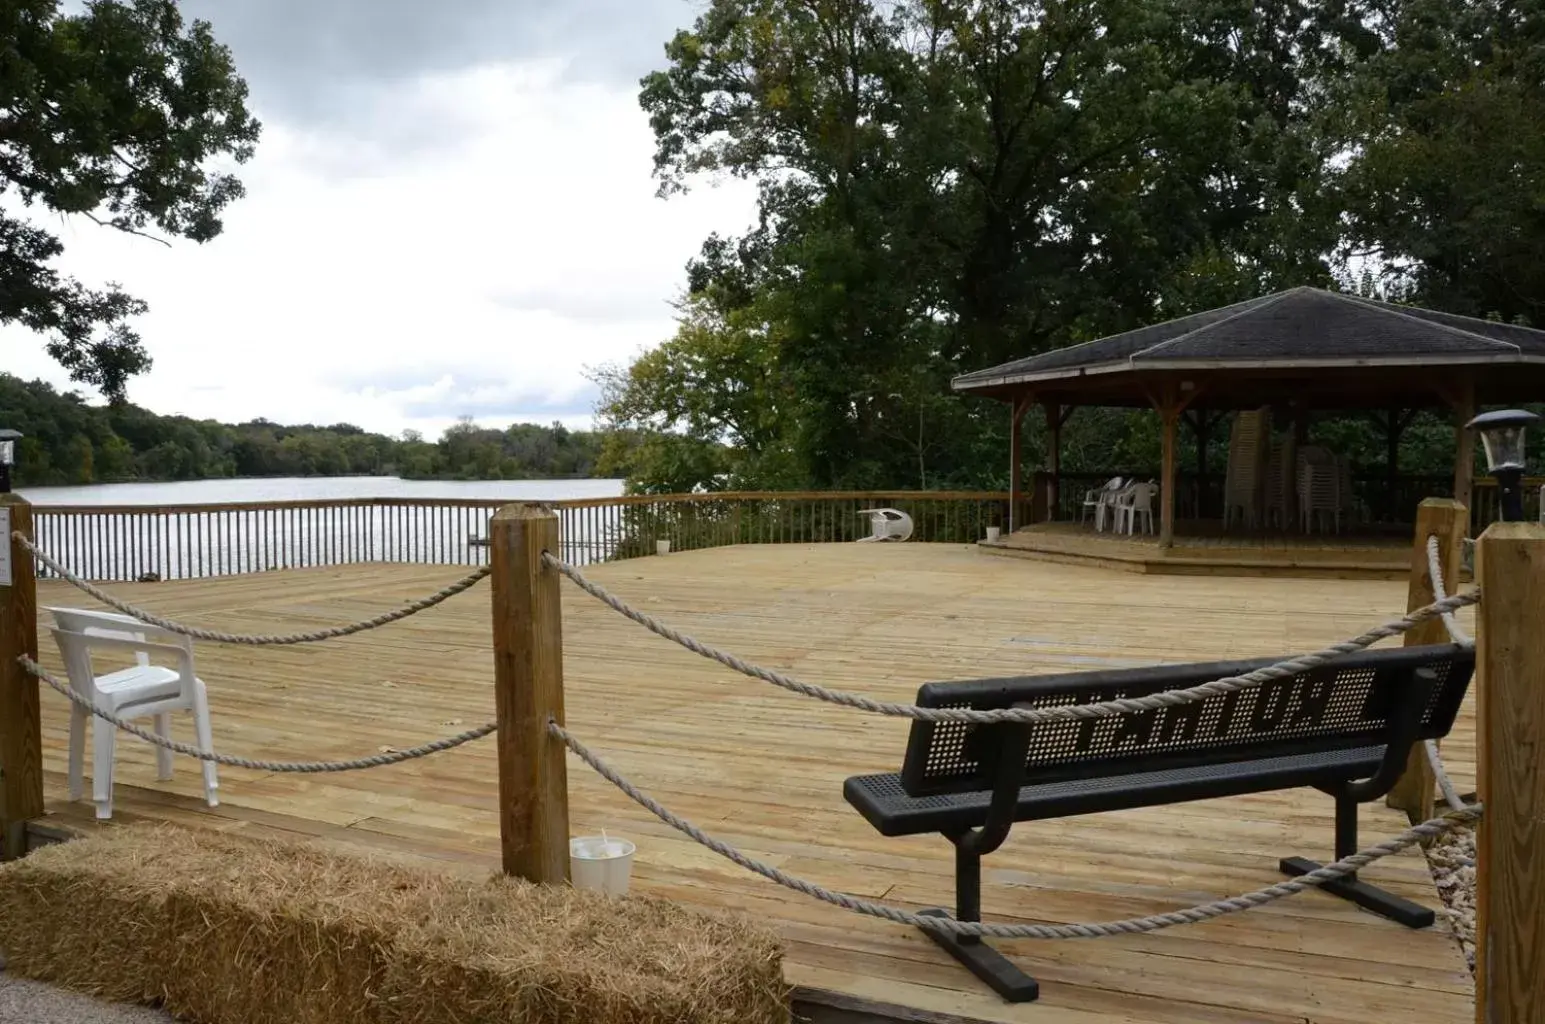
pixel 450 213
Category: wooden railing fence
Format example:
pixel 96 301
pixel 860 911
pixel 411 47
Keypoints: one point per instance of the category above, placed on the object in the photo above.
pixel 131 542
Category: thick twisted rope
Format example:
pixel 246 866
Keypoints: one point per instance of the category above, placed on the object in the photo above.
pixel 1456 632
pixel 1075 712
pixel 260 640
pixel 1450 794
pixel 1190 915
pixel 305 767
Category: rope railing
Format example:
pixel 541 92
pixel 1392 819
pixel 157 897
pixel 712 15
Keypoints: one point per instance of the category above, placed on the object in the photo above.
pixel 1202 912
pixel 1450 794
pixel 302 767
pixel 254 640
pixel 1456 632
pixel 1064 713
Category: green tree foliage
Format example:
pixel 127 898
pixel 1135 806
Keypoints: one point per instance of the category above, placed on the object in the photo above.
pixel 70 442
pixel 1447 192
pixel 115 114
pixel 949 184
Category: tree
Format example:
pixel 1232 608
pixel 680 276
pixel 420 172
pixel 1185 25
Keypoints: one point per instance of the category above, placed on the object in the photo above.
pixel 950 184
pixel 1445 190
pixel 114 114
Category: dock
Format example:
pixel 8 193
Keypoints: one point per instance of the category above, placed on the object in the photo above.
pixel 764 769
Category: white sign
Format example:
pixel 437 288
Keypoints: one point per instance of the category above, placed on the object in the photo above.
pixel 5 547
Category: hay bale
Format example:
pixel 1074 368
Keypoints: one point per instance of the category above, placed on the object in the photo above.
pixel 225 931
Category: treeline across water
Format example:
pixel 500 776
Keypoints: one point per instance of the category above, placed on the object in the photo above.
pixel 68 441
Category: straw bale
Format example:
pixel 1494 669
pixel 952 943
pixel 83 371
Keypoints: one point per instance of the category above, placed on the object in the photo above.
pixel 222 930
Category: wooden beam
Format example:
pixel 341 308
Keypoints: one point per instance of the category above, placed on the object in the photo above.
pixel 1449 521
pixel 1016 460
pixel 1464 442
pixel 21 730
pixel 1171 403
pixel 528 691
pixel 1171 418
pixel 1054 420
pixel 1510 775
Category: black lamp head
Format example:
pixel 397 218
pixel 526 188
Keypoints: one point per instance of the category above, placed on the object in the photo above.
pixel 1502 435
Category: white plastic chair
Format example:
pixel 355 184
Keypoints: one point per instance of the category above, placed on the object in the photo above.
pixel 1100 499
pixel 1135 501
pixel 144 690
pixel 887 524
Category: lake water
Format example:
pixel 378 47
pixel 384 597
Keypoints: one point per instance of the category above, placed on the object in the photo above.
pixel 170 529
pixel 210 492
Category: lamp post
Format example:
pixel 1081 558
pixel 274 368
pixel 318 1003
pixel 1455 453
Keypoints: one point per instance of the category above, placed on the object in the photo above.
pixel 1502 435
pixel 8 439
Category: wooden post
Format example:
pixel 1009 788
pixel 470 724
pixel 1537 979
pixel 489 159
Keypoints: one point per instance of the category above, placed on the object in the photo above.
pixel 21 730
pixel 1510 733
pixel 1169 412
pixel 1016 469
pixel 1449 521
pixel 528 690
pixel 1201 423
pixel 1054 420
pixel 1464 443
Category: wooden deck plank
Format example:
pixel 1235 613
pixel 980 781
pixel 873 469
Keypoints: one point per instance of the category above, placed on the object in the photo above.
pixel 764 769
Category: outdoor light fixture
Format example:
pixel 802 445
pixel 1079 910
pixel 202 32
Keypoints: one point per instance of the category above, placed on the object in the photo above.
pixel 8 439
pixel 1502 434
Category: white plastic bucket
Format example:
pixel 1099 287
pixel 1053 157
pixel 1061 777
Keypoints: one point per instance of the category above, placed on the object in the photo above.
pixel 993 533
pixel 600 862
pixel 662 547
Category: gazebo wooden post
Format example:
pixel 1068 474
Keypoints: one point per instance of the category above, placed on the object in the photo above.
pixel 1201 423
pixel 1463 401
pixel 1053 456
pixel 1171 403
pixel 1056 416
pixel 1016 458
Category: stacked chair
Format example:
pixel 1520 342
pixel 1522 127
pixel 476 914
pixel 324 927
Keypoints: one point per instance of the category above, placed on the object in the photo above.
pixel 1248 453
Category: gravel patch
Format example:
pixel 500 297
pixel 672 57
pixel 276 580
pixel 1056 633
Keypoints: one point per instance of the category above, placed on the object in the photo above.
pixel 1452 860
pixel 32 1002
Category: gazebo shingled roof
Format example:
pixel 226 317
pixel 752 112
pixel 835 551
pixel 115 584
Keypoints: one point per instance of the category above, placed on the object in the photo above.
pixel 1304 348
pixel 1367 352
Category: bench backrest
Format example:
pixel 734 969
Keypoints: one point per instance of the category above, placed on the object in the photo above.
pixel 1344 704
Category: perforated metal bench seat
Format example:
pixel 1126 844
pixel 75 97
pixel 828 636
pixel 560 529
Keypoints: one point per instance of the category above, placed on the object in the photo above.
pixel 1345 728
pixel 887 806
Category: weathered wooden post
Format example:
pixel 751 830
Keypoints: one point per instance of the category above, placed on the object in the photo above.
pixel 21 731
pixel 528 691
pixel 1449 521
pixel 1510 776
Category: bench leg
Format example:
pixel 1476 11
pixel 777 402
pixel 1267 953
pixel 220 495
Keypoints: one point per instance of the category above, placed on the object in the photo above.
pixel 982 960
pixel 1369 897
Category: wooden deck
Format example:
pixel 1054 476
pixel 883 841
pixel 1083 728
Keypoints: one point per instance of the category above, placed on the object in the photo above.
pixel 1204 549
pixel 764 769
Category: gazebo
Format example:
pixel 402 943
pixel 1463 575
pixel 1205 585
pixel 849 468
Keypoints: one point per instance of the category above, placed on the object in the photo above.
pixel 1302 349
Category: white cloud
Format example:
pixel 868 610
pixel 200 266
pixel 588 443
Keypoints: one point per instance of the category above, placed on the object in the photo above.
pixel 469 244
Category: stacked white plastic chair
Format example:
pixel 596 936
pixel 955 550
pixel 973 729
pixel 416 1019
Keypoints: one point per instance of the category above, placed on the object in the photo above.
pixel 1281 497
pixel 143 690
pixel 1320 479
pixel 1248 448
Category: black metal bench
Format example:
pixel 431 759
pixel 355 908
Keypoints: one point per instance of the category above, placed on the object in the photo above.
pixel 1344 729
